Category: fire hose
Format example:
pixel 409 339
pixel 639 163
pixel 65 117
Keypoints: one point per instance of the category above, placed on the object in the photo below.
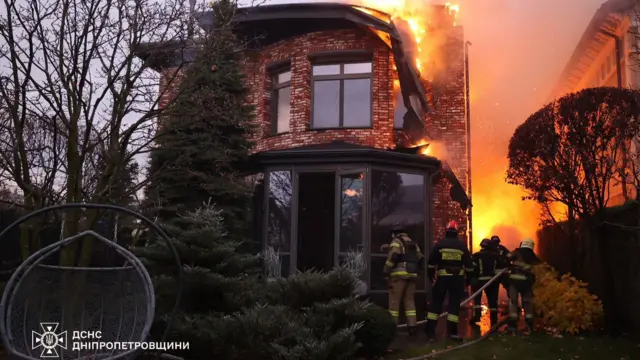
pixel 463 303
pixel 470 343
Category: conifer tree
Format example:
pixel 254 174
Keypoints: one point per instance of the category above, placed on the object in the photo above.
pixel 206 132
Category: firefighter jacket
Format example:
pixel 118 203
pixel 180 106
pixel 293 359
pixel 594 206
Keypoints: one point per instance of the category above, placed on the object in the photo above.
pixel 522 262
pixel 449 257
pixel 487 263
pixel 404 259
pixel 503 253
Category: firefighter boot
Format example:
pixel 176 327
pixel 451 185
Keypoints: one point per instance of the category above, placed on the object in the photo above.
pixel 512 326
pixel 530 325
pixel 493 316
pixel 412 330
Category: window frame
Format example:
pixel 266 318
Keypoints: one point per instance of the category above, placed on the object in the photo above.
pixel 341 59
pixel 274 71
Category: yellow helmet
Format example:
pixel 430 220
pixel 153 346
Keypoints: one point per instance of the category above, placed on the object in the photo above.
pixel 528 243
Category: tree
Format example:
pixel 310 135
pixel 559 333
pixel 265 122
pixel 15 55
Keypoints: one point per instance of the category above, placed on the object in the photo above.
pixel 572 152
pixel 206 132
pixel 72 85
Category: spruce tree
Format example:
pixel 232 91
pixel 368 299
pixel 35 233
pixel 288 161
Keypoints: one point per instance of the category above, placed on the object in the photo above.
pixel 205 132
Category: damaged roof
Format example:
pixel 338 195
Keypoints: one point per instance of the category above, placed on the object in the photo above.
pixel 606 20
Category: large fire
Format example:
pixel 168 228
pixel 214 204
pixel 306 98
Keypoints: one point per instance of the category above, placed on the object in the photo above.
pixel 498 208
pixel 418 17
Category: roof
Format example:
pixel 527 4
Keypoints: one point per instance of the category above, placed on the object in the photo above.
pixel 606 19
pixel 343 152
pixel 265 23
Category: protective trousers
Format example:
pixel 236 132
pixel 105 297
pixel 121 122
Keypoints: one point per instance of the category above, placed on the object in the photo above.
pixel 520 288
pixel 399 290
pixel 454 286
pixel 504 281
pixel 492 298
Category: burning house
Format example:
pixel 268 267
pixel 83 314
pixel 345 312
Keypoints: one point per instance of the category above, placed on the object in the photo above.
pixel 354 136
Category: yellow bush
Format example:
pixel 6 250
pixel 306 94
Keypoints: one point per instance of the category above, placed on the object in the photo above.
pixel 564 303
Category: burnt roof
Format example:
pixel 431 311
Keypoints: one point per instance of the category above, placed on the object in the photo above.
pixel 606 19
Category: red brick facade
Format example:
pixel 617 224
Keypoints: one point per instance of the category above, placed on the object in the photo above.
pixel 297 51
pixel 446 121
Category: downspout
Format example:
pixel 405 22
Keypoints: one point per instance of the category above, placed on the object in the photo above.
pixel 470 210
pixel 431 235
pixel 616 38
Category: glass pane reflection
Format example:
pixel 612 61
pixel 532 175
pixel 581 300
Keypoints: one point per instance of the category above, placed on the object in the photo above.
pixel 279 220
pixel 396 198
pixel 351 193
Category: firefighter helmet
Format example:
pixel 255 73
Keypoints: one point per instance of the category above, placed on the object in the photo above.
pixel 495 239
pixel 528 244
pixel 452 226
pixel 485 243
pixel 398 228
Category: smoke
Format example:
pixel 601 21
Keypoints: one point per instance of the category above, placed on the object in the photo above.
pixel 518 51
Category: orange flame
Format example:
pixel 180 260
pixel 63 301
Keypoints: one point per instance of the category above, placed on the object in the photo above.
pixel 417 17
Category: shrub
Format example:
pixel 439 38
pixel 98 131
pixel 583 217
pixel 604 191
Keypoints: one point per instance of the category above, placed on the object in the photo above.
pixel 377 331
pixel 564 303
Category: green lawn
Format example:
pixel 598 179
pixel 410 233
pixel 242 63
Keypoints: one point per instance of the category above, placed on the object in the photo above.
pixel 536 347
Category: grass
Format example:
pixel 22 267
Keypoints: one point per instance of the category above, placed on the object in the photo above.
pixel 536 347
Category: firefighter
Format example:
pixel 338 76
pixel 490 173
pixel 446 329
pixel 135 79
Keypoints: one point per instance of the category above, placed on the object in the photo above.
pixel 521 279
pixel 404 261
pixel 503 252
pixel 451 261
pixel 485 262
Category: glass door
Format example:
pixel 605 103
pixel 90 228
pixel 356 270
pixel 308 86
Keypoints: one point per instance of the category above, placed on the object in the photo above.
pixel 350 218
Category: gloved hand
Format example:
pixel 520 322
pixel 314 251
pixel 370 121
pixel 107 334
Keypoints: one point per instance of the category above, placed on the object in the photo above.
pixel 384 247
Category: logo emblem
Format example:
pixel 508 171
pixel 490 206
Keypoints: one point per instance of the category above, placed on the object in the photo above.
pixel 49 340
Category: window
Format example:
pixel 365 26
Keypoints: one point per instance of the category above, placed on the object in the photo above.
pixel 281 102
pixel 279 217
pixel 341 95
pixel 395 197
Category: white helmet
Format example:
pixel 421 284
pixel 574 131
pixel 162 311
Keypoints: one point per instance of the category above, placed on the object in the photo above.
pixel 528 244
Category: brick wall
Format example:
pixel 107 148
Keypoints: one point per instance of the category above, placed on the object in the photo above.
pixel 297 51
pixel 447 122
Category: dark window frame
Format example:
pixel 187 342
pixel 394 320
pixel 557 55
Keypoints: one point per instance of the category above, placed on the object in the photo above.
pixel 274 71
pixel 342 59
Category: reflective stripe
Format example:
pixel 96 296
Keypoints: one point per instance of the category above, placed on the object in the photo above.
pixel 477 306
pixel 517 277
pixel 513 315
pixel 451 254
pixel 388 263
pixel 403 273
pixel 493 309
pixel 485 278
pixel 443 272
pixel 410 313
pixel 522 265
pixel 394 313
pixel 431 266
pixel 432 316
pixel 452 318
pixel 528 316
pixel 481 266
